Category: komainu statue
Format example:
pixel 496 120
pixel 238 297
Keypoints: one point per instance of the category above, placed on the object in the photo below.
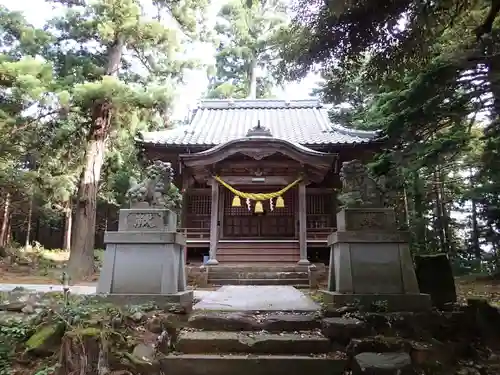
pixel 157 189
pixel 359 189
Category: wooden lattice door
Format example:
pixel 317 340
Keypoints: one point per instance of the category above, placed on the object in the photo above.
pixel 239 222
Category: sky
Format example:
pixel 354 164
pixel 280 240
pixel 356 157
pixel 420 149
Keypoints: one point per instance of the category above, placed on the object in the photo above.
pixel 38 11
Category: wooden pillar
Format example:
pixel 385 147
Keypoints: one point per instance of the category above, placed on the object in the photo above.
pixel 302 224
pixel 214 227
pixel 185 192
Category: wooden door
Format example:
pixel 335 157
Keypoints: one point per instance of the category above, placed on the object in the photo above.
pixel 241 223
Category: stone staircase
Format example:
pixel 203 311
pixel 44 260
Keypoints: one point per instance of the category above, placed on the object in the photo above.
pixel 258 275
pixel 244 343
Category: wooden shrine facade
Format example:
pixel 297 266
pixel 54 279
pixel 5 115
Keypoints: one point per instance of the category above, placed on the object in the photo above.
pixel 256 161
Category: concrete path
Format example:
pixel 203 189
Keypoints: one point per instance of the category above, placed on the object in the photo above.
pixel 257 298
pixel 75 289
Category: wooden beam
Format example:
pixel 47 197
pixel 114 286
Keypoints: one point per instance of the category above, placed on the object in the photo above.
pixel 303 224
pixel 214 211
pixel 269 180
pixel 257 149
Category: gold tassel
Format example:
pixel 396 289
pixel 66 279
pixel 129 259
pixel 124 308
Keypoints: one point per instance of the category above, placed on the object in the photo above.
pixel 280 202
pixel 258 207
pixel 236 201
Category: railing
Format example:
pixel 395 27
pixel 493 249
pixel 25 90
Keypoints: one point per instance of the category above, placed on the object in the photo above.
pixel 313 234
pixel 319 234
pixel 195 233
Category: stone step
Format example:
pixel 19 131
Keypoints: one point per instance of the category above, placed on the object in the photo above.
pixel 279 267
pixel 252 257
pixel 211 342
pixel 293 282
pixel 223 274
pixel 241 321
pixel 198 364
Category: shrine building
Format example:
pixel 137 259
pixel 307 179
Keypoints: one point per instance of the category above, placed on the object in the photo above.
pixel 259 178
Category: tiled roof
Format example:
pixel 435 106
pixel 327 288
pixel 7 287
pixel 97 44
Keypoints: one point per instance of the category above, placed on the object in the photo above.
pixel 215 122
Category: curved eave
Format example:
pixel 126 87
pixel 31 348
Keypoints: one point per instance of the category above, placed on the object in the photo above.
pixel 251 144
pixel 212 145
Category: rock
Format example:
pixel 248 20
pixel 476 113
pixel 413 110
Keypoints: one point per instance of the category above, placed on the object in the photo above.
pixel 158 324
pixel 341 311
pixel 46 340
pixel 343 329
pixel 435 277
pixel 289 322
pixel 155 325
pixel 487 317
pixel 382 364
pixel 19 289
pixel 378 344
pixel 116 322
pixel 15 306
pixel 137 316
pixel 144 352
pixel 379 321
pixel 429 354
pixel 214 321
pixel 28 309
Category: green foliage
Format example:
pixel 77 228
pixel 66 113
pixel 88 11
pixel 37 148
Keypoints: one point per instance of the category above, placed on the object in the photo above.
pixel 426 75
pixel 12 333
pixel 247 37
pixel 58 82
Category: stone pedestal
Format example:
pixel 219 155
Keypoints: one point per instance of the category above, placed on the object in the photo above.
pixel 370 262
pixel 145 258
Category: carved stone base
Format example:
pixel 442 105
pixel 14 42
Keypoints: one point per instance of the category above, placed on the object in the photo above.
pixel 380 302
pixel 369 260
pixel 361 219
pixel 144 257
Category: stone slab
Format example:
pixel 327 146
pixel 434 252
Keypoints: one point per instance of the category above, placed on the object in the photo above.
pixel 394 302
pixel 343 329
pixel 382 364
pixel 144 238
pixel 182 301
pixel 74 289
pixel 199 364
pixel 368 236
pixel 241 321
pixel 257 298
pixel 210 342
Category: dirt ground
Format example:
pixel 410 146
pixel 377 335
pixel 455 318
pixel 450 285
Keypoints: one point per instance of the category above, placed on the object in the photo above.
pixel 35 266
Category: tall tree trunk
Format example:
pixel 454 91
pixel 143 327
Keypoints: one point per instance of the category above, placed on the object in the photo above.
pixel 68 218
pixel 252 80
pixel 9 229
pixel 445 213
pixel 407 208
pixel 5 221
pixel 28 226
pixel 81 259
pixel 438 212
pixel 476 247
pixel 418 220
